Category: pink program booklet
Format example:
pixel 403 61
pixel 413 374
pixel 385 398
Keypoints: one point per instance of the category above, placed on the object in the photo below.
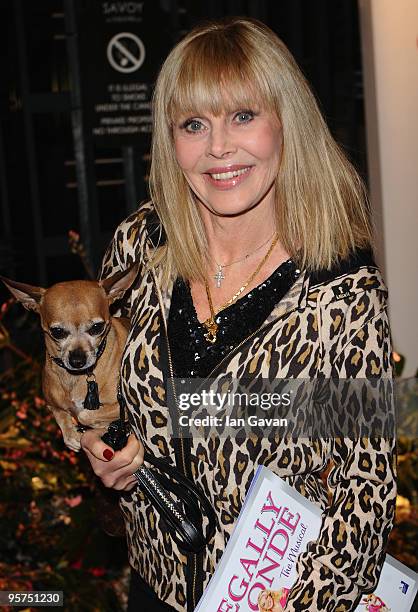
pixel 273 528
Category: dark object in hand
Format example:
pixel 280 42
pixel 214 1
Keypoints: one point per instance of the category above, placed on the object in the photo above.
pixel 116 435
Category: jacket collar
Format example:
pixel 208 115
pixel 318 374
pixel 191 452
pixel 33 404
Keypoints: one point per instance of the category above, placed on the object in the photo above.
pixel 341 282
pixel 356 260
pixel 344 279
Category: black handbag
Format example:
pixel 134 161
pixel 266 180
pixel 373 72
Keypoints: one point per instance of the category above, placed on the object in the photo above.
pixel 180 502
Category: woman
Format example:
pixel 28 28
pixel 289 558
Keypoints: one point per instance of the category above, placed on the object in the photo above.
pixel 255 261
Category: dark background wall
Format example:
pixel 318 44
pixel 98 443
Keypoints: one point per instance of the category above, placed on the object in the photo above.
pixel 55 179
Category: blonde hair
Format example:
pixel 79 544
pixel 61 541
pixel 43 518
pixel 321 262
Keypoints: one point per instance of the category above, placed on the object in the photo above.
pixel 321 203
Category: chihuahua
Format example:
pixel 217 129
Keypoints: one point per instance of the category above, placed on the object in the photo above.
pixel 84 346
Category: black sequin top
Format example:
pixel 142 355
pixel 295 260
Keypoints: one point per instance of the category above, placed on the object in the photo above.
pixel 193 356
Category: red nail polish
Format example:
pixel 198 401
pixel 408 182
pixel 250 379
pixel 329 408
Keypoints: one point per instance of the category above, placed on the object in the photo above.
pixel 107 454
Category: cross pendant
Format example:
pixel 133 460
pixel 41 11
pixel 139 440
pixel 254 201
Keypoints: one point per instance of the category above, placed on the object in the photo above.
pixel 219 276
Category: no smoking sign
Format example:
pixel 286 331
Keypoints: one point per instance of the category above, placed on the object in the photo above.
pixel 118 67
pixel 126 52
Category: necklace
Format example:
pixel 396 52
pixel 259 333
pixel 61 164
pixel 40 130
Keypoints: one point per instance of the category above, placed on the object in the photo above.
pixel 210 323
pixel 220 276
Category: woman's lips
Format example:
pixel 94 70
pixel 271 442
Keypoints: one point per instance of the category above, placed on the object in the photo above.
pixel 227 178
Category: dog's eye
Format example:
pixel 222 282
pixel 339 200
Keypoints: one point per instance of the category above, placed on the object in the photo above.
pixel 58 333
pixel 96 329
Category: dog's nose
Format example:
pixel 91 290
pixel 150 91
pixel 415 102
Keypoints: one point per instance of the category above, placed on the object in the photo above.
pixel 77 359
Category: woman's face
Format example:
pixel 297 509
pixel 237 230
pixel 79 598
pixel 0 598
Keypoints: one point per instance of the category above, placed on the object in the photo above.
pixel 230 161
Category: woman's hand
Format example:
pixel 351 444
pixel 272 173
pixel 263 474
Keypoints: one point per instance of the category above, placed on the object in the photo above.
pixel 115 469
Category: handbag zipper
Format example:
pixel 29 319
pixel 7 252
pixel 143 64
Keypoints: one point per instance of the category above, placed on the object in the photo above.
pixel 194 581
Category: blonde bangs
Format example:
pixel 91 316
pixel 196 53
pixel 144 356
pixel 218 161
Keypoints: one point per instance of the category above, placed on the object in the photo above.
pixel 210 80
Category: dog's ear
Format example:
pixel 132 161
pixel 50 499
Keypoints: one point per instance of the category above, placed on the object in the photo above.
pixel 116 285
pixel 28 295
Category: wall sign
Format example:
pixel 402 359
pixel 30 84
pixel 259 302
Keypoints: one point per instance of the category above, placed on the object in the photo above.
pixel 122 46
pixel 126 52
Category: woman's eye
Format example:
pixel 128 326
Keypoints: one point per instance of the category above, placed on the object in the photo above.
pixel 244 116
pixel 96 329
pixel 59 333
pixel 193 125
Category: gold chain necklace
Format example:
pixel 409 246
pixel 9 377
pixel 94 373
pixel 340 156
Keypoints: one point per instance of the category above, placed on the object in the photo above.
pixel 220 276
pixel 210 323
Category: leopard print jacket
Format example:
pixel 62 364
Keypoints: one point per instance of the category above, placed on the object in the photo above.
pixel 329 325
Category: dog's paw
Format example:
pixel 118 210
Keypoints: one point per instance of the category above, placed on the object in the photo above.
pixel 97 418
pixel 87 417
pixel 74 445
pixel 73 441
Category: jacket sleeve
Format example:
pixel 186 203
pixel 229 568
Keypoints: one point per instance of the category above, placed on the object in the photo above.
pixel 346 559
